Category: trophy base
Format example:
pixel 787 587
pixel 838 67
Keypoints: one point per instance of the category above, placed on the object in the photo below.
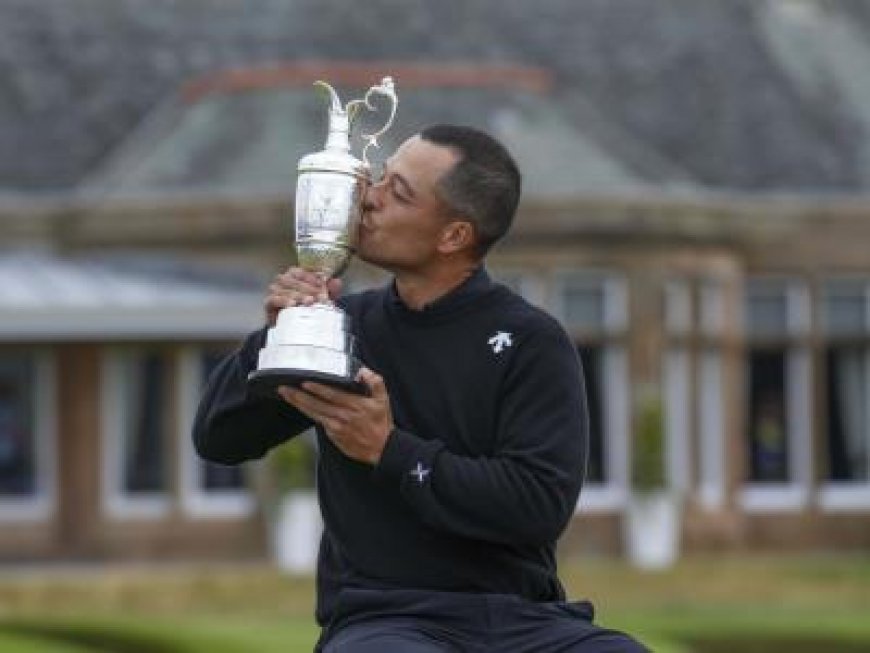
pixel 265 382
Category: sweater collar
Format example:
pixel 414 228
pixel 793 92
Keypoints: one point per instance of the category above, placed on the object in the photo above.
pixel 462 295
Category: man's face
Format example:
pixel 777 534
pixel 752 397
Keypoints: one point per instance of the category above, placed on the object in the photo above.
pixel 403 216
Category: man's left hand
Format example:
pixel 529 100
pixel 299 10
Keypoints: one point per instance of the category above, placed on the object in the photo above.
pixel 358 425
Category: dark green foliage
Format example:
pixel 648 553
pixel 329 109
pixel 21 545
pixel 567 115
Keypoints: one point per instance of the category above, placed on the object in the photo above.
pixel 648 455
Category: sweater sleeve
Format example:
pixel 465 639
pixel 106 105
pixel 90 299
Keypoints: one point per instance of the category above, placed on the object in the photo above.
pixel 231 426
pixel 525 492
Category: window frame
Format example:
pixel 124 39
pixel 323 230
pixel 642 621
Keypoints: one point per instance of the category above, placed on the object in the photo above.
pixel 117 503
pixel 196 500
pixel 613 494
pixel 794 494
pixel 844 496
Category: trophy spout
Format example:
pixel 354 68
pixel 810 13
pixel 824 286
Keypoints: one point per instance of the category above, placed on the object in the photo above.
pixel 338 135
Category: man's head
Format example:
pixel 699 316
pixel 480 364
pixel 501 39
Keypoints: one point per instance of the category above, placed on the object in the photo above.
pixel 483 186
pixel 448 193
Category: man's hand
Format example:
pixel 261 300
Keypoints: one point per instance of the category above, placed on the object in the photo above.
pixel 298 287
pixel 359 426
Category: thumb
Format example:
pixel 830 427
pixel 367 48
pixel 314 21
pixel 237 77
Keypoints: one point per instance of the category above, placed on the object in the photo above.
pixel 374 382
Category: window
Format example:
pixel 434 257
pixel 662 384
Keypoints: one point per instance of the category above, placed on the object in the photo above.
pixel 207 489
pixel 138 387
pixel 845 316
pixel 591 359
pixel 847 415
pixel 26 435
pixel 213 477
pixel 592 307
pixel 778 396
pixel 17 427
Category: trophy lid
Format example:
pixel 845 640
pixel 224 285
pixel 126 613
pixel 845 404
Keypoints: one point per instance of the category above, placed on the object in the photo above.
pixel 336 156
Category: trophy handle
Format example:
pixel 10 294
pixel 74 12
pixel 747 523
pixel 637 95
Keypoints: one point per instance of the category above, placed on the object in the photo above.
pixel 386 88
pixel 349 112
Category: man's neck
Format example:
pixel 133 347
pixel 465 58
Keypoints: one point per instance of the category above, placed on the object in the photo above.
pixel 419 290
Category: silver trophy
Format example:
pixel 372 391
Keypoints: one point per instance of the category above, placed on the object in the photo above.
pixel 315 343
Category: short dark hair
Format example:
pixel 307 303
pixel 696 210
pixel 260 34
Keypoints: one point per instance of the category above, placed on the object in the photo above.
pixel 484 186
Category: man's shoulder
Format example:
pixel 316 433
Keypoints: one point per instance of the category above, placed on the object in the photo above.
pixel 362 299
pixel 521 311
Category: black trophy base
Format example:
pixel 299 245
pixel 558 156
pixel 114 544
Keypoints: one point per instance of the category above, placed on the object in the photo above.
pixel 265 382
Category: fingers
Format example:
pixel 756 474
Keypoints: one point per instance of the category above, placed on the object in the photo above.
pixel 374 382
pixel 314 406
pixel 330 395
pixel 296 287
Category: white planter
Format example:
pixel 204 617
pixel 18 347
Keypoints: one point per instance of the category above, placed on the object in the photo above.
pixel 652 528
pixel 296 532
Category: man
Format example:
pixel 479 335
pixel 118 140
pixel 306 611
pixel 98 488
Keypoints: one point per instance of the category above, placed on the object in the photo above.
pixel 443 490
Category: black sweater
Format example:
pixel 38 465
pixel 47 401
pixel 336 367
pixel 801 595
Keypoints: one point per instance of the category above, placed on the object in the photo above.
pixel 483 470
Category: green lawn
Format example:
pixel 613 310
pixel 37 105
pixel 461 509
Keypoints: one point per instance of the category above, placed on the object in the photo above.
pixel 704 605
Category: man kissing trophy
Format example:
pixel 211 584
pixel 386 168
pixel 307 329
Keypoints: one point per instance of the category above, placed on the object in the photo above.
pixel 314 343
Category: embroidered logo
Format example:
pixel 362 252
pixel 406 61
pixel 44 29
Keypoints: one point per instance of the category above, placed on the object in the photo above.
pixel 420 473
pixel 500 341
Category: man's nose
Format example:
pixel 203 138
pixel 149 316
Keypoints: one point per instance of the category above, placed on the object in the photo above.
pixel 373 195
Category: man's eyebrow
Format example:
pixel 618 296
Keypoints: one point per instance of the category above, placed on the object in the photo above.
pixel 406 186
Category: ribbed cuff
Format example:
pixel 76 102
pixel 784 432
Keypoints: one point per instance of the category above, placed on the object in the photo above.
pixel 403 453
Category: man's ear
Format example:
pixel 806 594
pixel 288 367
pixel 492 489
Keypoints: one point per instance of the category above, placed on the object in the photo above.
pixel 456 236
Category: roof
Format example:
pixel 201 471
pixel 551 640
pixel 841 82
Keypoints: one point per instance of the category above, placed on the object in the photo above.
pixel 242 132
pixel 49 298
pixel 743 94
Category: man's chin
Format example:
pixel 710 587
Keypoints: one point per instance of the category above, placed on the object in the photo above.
pixel 366 256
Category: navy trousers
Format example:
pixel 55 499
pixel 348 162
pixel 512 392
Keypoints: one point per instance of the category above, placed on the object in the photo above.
pixel 411 621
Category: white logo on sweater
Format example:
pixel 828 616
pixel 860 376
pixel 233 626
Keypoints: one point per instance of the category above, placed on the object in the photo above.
pixel 420 473
pixel 500 341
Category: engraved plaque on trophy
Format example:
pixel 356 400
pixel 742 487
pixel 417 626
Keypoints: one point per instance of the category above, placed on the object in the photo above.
pixel 315 343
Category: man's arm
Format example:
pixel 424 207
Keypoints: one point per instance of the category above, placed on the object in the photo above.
pixel 527 491
pixel 231 427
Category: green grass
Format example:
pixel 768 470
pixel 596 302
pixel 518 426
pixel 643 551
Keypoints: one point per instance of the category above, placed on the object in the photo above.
pixel 704 605
pixel 24 643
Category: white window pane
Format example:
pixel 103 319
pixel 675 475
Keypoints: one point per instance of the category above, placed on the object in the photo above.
pixel 711 424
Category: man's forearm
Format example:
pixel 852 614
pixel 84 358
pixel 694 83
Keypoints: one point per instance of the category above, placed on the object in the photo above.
pixel 231 426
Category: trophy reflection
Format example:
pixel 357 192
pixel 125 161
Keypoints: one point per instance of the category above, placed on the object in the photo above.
pixel 315 343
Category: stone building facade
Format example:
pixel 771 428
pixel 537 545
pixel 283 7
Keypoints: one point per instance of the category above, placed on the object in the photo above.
pixel 751 316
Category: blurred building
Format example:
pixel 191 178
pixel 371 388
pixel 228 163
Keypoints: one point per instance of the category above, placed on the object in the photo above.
pixel 749 313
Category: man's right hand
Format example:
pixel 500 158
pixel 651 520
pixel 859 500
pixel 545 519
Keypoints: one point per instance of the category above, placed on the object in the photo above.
pixel 298 287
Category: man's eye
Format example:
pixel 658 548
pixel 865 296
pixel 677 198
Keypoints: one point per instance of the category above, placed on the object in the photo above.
pixel 398 194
